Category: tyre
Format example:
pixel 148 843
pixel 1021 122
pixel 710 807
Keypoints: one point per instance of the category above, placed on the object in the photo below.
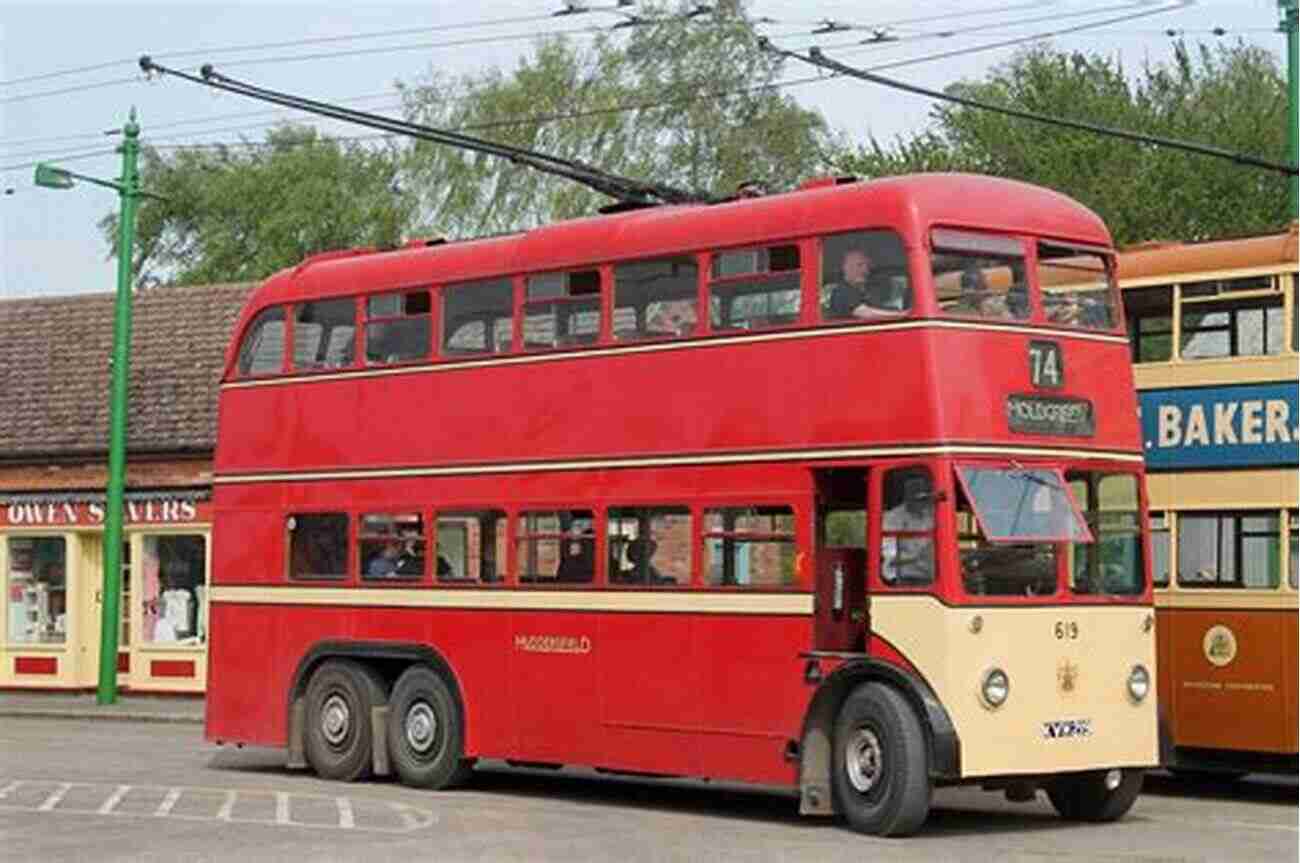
pixel 425 731
pixel 880 768
pixel 339 736
pixel 1085 797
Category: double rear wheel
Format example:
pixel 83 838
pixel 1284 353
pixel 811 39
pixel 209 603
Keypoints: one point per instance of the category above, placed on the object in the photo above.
pixel 426 731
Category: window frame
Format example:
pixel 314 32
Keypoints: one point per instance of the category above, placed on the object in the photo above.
pixel 699 260
pixel 502 565
pixel 445 322
pixel 285 341
pixel 1239 535
pixel 421 578
pixel 700 516
pixel 553 302
pixel 756 277
pixel 656 508
pixel 518 535
pixel 348 578
pixel 361 351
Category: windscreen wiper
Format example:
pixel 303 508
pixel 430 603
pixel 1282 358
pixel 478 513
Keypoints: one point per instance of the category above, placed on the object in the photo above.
pixel 636 193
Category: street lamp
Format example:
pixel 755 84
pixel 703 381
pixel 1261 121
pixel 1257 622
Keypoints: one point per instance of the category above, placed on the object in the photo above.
pixel 128 189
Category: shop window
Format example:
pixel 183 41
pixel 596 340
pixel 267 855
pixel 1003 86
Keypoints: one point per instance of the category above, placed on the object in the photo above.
pixel 391 547
pixel 471 546
pixel 751 289
pixel 562 310
pixel 323 334
pixel 318 546
pixel 477 317
pixel 979 275
pixel 262 350
pixel 124 607
pixel 557 547
pixel 1150 314
pixel 864 275
pixel 750 547
pixel 174 588
pixel 1229 550
pixel 397 328
pixel 907 528
pixel 37 587
pixel 655 299
pixel 649 545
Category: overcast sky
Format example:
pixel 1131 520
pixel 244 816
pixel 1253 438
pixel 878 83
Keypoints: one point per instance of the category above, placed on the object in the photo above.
pixel 50 243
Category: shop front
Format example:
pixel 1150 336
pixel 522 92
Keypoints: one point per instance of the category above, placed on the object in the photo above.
pixel 51 561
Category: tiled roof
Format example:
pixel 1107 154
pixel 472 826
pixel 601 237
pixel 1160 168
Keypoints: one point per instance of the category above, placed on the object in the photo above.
pixel 54 370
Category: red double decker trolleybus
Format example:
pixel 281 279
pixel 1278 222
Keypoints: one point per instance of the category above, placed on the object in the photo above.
pixel 839 490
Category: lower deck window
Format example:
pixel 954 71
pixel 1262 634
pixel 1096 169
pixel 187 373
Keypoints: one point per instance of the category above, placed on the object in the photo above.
pixel 1238 549
pixel 391 547
pixel 1112 564
pixel 907 529
pixel 318 546
pixel 749 547
pixel 471 546
pixel 557 547
pixel 650 545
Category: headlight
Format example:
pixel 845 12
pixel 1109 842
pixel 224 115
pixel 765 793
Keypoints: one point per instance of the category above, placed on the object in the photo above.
pixel 1139 683
pixel 995 687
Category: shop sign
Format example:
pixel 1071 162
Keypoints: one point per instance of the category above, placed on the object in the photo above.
pixel 1209 427
pixel 39 513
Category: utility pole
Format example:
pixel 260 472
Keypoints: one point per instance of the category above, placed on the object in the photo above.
pixel 128 189
pixel 1288 26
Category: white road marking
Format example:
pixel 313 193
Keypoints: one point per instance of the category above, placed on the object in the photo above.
pixel 346 820
pixel 275 808
pixel 53 799
pixel 113 799
pixel 165 807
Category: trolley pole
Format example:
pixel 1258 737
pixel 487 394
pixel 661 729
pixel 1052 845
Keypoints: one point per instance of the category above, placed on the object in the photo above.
pixel 1288 26
pixel 128 189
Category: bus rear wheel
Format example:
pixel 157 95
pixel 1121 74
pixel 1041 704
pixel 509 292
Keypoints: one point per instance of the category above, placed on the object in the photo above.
pixel 339 737
pixel 425 736
pixel 1097 795
pixel 880 772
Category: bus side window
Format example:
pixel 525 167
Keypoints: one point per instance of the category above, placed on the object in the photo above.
pixel 391 547
pixel 655 299
pixel 262 351
pixel 471 546
pixel 750 547
pixel 649 545
pixel 562 310
pixel 318 546
pixel 907 528
pixel 557 546
pixel 319 327
pixel 864 276
pixel 478 317
pixel 752 289
pixel 397 327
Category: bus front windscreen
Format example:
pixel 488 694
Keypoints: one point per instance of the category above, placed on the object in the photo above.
pixel 1013 523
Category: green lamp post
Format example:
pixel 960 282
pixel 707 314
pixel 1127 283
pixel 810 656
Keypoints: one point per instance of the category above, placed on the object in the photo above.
pixel 128 189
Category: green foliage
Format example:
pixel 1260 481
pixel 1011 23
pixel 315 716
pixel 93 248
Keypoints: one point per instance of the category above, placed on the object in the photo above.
pixel 707 121
pixel 240 214
pixel 1232 97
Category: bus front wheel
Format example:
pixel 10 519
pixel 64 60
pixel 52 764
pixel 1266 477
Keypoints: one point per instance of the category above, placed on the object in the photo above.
pixel 1096 795
pixel 880 771
pixel 425 737
pixel 338 735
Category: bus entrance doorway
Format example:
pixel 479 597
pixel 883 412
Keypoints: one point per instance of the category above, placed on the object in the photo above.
pixel 840 618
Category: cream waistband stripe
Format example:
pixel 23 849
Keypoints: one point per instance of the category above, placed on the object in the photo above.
pixel 696 602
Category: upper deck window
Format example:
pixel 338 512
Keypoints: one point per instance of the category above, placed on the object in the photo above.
pixel 397 327
pixel 1150 314
pixel 1231 318
pixel 1077 289
pixel 864 275
pixel 324 333
pixel 262 351
pixel 655 299
pixel 562 310
pixel 979 275
pixel 477 317
pixel 754 288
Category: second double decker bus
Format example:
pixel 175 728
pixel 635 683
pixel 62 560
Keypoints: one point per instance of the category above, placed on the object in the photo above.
pixel 839 490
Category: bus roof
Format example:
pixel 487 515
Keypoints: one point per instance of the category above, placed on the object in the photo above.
pixel 912 203
pixel 1152 260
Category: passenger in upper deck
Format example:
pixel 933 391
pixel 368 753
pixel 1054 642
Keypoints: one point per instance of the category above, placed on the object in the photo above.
pixel 859 294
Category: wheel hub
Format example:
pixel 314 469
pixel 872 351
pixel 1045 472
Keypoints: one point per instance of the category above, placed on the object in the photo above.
pixel 421 727
pixel 336 720
pixel 863 760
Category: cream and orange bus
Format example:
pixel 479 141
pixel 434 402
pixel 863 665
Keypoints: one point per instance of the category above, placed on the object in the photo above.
pixel 1213 331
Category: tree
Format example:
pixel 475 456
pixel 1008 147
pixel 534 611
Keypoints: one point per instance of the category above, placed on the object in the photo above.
pixel 679 98
pixel 1232 97
pixel 241 213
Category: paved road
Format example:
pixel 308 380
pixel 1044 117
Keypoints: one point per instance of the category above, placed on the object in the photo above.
pixel 86 790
